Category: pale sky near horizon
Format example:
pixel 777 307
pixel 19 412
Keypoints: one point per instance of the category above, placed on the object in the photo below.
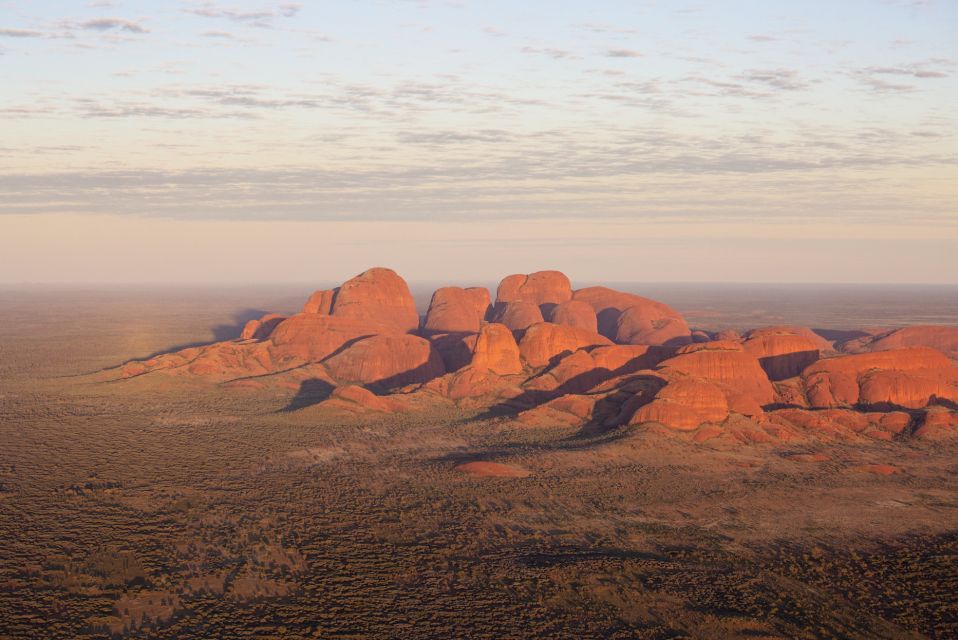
pixel 739 141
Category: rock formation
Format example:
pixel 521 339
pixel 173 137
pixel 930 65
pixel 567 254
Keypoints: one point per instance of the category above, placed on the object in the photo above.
pixel 546 356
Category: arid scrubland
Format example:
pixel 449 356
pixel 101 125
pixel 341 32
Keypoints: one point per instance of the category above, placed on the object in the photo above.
pixel 163 507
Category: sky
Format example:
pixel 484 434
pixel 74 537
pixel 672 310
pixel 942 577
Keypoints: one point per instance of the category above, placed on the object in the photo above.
pixel 720 141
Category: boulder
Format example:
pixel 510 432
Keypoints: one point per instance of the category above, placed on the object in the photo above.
pixel 260 329
pixel 544 341
pixel 727 364
pixel 517 316
pixel 575 313
pixel 456 310
pixel 362 399
pixel 377 295
pixel 539 288
pixel 783 352
pixel 496 351
pixel 455 349
pixel 387 360
pixel 309 337
pixel 941 338
pixel 684 404
pixel 621 359
pixel 652 324
pixel 912 377
pixel 609 305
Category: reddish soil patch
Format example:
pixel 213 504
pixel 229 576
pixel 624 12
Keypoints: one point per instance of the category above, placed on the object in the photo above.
pixel 809 457
pixel 878 469
pixel 493 470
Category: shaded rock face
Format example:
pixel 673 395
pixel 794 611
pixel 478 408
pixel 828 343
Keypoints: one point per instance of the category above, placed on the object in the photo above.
pixel 912 377
pixel 643 367
pixel 262 328
pixel 940 338
pixel 320 302
pixel 783 352
pixel 457 310
pixel 518 316
pixel 630 319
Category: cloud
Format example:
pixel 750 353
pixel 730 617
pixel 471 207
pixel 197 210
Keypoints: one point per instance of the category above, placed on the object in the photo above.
pixel 262 19
pixel 111 24
pixel 874 77
pixel 557 54
pixel 623 53
pixel 21 33
pixel 785 79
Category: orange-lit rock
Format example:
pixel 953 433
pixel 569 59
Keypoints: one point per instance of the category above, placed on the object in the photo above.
pixel 377 295
pixel 260 329
pixel 726 363
pixel 544 341
pixel 457 310
pixel 652 323
pixel 941 338
pixel 575 313
pixel 312 337
pixel 363 399
pixel 496 350
pixel 389 360
pixel 320 302
pixel 565 411
pixel 783 352
pixel 517 316
pixel 684 404
pixel 911 377
pixel 539 288
pixel 628 358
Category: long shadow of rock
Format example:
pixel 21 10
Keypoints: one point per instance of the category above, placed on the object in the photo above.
pixel 312 391
pixel 221 333
pixel 838 336
pixel 582 383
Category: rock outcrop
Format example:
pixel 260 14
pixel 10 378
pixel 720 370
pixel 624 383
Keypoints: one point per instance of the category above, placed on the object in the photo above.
pixel 539 288
pixel 388 360
pixel 544 341
pixel 518 315
pixel 377 295
pixel 496 351
pixel 457 310
pixel 913 377
pixel 603 358
pixel 575 313
pixel 941 338
pixel 630 319
pixel 784 352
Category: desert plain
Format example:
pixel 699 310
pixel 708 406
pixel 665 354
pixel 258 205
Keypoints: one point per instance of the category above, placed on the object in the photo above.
pixel 178 499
